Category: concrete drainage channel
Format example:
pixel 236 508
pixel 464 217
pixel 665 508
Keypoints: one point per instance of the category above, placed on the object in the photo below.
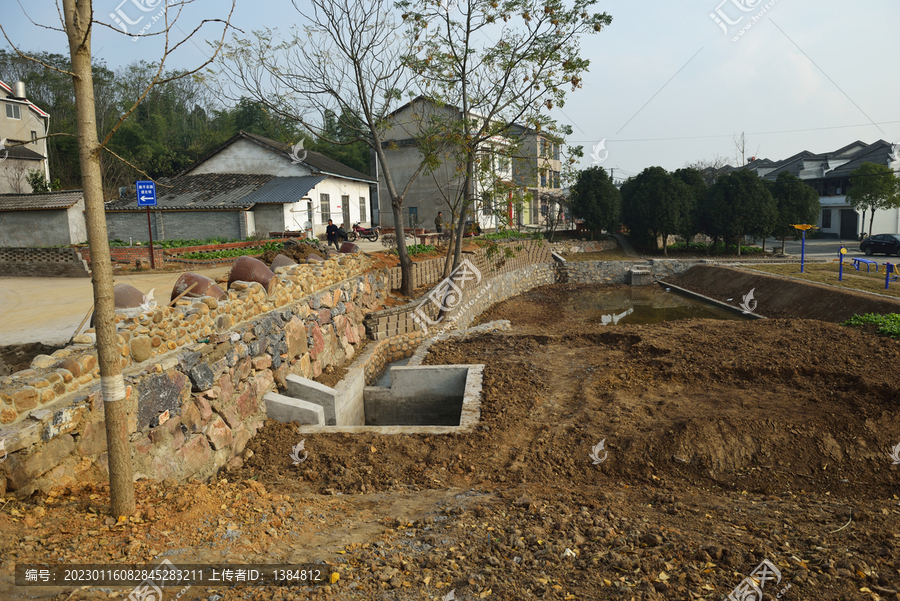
pixel 421 399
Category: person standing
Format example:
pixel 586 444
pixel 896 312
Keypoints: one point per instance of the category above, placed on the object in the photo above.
pixel 438 223
pixel 331 232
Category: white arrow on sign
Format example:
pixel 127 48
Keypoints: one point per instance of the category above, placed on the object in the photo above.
pixel 146 197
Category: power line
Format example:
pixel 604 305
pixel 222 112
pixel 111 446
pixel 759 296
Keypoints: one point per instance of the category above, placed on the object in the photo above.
pixel 763 133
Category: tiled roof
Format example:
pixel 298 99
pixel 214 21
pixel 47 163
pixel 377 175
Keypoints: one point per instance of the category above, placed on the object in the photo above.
pixel 316 160
pixel 20 152
pixel 216 191
pixel 878 153
pixel 280 190
pixel 36 202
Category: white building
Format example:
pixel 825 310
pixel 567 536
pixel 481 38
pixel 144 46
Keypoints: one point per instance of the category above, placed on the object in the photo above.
pixel 829 174
pixel 23 131
pixel 341 193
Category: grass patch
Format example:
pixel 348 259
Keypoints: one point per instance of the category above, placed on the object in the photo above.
pixel 417 249
pixel 827 273
pixel 233 252
pixel 889 324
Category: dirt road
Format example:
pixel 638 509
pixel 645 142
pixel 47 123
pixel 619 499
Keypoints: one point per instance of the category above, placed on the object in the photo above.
pixel 48 310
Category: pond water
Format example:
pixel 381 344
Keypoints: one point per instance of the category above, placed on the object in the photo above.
pixel 643 305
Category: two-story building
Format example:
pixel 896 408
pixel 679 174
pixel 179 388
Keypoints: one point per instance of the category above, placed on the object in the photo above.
pixel 23 131
pixel 829 173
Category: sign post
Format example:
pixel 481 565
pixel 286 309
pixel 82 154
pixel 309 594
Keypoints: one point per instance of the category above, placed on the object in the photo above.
pixel 803 228
pixel 146 197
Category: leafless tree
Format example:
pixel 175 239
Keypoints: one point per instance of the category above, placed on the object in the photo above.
pixel 14 174
pixel 77 23
pixel 345 61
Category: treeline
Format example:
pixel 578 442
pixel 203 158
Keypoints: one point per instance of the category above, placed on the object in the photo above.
pixel 176 124
pixel 657 204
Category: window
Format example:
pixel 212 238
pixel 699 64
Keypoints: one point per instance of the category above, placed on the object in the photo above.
pixel 556 152
pixel 362 209
pixel 414 216
pixel 325 207
pixel 826 218
pixel 309 211
pixel 12 111
pixel 543 179
pixel 34 137
pixel 345 208
pixel 486 205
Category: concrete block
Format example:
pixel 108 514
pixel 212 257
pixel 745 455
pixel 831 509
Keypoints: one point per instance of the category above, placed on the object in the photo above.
pixel 313 392
pixel 286 409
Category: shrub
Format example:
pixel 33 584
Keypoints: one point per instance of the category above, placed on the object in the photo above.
pixel 889 324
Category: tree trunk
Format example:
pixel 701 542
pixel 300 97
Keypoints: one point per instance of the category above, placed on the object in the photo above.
pixel 78 14
pixel 871 219
pixel 406 283
pixel 782 244
pixel 740 236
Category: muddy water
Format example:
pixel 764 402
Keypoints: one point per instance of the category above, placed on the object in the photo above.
pixel 642 305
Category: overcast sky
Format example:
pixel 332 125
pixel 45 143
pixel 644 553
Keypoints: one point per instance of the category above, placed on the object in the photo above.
pixel 667 85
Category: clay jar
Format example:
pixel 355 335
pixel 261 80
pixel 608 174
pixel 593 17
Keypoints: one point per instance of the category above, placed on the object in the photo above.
pixel 248 269
pixel 204 287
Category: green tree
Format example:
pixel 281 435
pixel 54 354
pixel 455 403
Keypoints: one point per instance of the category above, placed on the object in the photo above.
pixel 738 205
pixel 497 65
pixel 796 201
pixel 655 205
pixel 595 199
pixel 692 224
pixel 39 183
pixel 873 187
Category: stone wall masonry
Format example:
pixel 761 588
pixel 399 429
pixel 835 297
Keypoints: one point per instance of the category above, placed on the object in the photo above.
pixel 43 262
pixel 565 247
pixel 128 254
pixel 192 410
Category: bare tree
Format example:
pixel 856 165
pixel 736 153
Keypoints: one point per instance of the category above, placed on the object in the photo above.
pixel 15 173
pixel 710 169
pixel 346 61
pixel 741 150
pixel 77 22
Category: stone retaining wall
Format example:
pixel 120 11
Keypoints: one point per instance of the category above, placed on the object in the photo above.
pixel 400 320
pixel 196 392
pixel 617 272
pixel 43 262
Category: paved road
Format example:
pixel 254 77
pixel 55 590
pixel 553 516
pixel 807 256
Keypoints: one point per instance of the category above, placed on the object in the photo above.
pixel 49 309
pixel 820 249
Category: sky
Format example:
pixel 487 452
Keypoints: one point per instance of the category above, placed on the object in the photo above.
pixel 667 84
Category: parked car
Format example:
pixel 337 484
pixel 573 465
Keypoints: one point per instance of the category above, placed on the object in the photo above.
pixel 887 244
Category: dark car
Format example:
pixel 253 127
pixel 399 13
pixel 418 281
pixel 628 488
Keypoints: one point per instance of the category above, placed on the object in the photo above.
pixel 887 244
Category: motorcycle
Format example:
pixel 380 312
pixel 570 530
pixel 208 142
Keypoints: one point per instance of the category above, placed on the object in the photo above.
pixel 361 232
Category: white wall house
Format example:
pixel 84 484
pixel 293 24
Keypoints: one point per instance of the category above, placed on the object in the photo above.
pixel 829 174
pixel 341 193
pixel 23 131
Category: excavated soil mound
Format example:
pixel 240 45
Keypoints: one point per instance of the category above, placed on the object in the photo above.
pixel 782 297
pixel 17 357
pixel 297 252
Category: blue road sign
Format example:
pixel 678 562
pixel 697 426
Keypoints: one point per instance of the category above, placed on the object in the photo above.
pixel 146 193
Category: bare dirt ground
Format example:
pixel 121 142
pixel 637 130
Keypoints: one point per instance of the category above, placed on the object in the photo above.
pixel 725 443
